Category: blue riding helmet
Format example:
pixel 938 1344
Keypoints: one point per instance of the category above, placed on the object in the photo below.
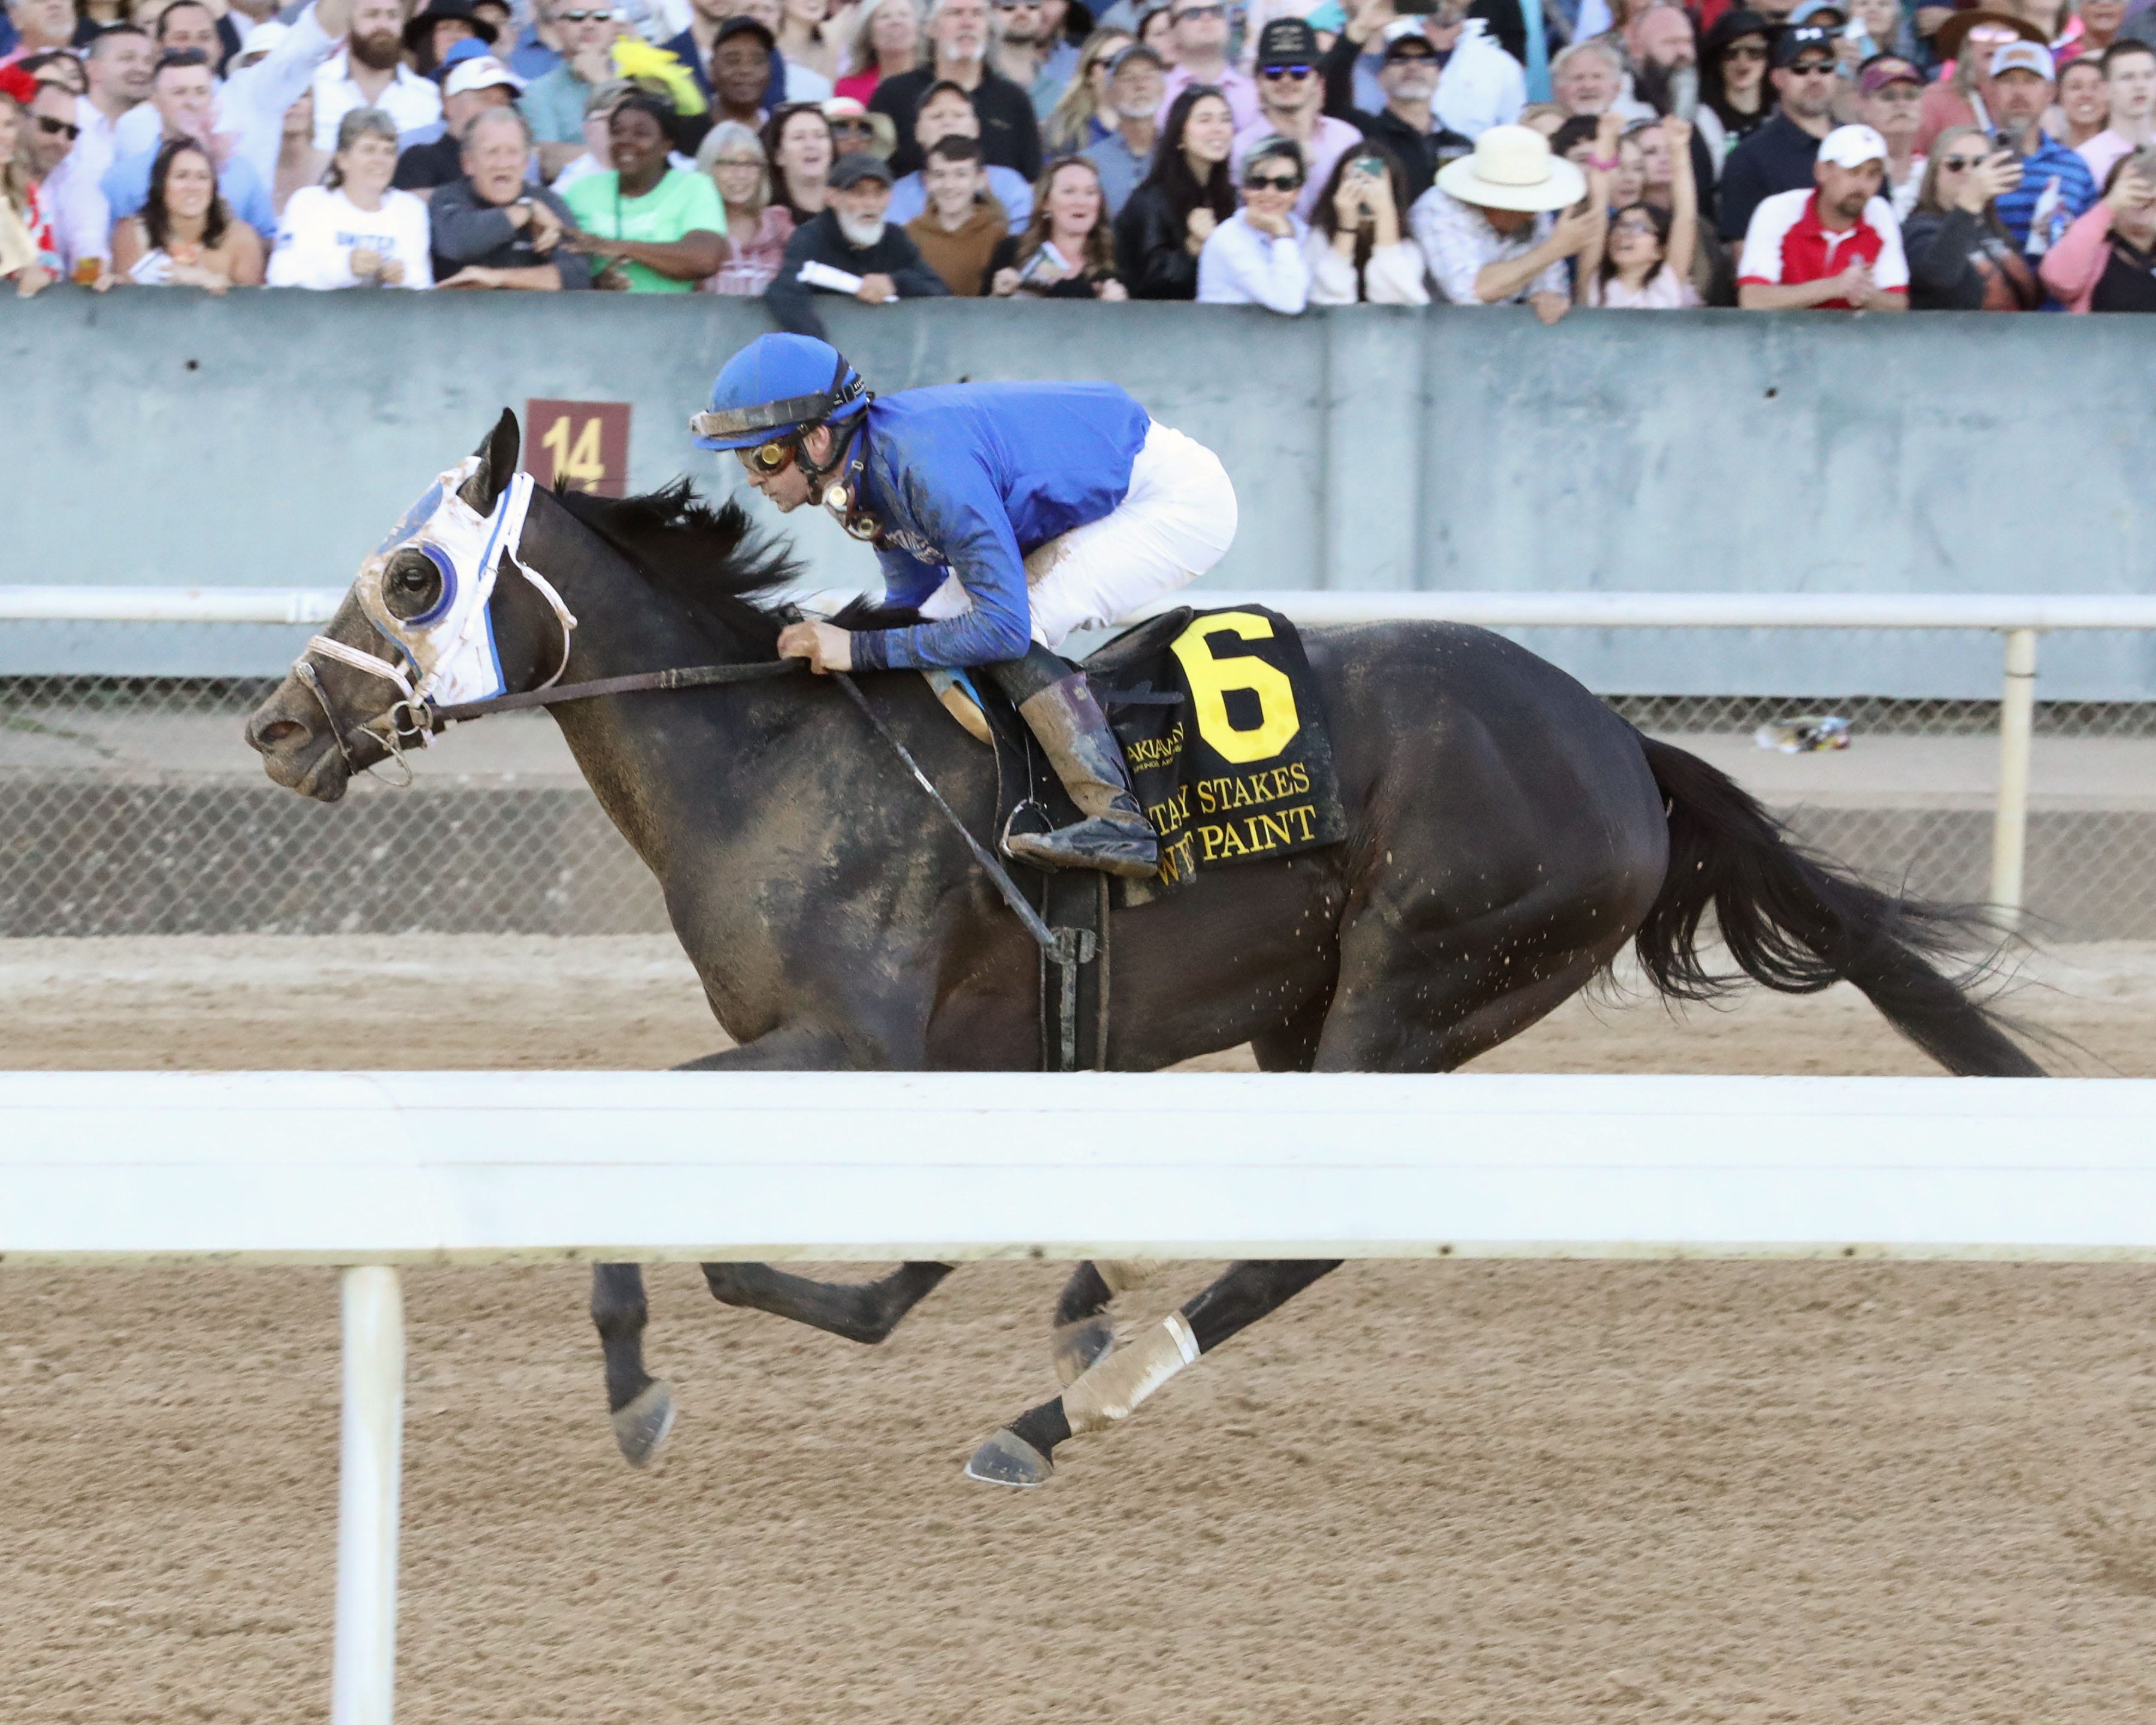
pixel 775 387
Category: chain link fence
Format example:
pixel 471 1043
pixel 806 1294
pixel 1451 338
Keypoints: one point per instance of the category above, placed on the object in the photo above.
pixel 130 806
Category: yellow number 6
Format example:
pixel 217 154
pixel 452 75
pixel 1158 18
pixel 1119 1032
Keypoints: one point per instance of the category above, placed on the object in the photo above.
pixel 1211 679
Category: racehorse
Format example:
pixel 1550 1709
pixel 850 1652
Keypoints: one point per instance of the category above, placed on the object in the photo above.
pixel 1509 836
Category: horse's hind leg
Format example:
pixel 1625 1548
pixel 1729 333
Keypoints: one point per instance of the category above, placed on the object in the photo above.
pixel 642 1406
pixel 1084 1334
pixel 864 1312
pixel 1022 1453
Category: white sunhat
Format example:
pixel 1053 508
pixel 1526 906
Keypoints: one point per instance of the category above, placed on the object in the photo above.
pixel 1512 168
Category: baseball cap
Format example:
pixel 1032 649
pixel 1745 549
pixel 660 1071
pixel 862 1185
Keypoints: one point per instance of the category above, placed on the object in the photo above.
pixel 1852 146
pixel 1812 8
pixel 852 170
pixel 2023 57
pixel 1136 51
pixel 482 72
pixel 1406 29
pixel 1794 40
pixel 742 24
pixel 1875 79
pixel 1286 42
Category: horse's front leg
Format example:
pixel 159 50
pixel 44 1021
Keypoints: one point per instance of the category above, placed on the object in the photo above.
pixel 641 1406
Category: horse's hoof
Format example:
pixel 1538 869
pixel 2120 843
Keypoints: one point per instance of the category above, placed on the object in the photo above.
pixel 642 1427
pixel 1079 1345
pixel 1006 1459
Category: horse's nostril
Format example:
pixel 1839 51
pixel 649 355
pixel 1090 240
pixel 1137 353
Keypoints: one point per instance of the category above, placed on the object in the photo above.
pixel 278 733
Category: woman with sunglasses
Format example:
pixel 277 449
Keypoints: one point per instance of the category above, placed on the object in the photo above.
pixel 1256 256
pixel 1733 98
pixel 1961 257
pixel 1166 221
pixel 1077 121
pixel 798 144
pixel 29 255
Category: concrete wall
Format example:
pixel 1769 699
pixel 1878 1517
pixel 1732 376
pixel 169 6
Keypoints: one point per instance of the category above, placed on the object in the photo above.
pixel 271 438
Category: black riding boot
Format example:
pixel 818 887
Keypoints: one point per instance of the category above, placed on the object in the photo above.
pixel 1114 835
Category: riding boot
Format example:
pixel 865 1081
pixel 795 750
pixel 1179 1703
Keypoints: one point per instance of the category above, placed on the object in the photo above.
pixel 1112 834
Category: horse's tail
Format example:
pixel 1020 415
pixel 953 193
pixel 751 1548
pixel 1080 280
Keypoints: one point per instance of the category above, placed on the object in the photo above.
pixel 1797 924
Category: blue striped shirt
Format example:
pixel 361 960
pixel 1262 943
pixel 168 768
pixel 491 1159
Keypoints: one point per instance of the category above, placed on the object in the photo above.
pixel 2056 187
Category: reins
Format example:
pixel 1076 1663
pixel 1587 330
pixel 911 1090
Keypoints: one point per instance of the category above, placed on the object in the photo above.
pixel 687 676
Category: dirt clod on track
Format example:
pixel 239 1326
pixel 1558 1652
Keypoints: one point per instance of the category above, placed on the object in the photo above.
pixel 1458 1492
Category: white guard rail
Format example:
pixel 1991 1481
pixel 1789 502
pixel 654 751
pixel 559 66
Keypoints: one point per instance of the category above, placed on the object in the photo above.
pixel 2020 618
pixel 371 1170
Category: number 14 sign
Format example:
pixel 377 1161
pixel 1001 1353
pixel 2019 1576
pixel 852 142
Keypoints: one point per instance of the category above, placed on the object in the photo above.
pixel 583 445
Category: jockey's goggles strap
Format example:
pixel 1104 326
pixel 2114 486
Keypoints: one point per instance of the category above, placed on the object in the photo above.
pixel 797 413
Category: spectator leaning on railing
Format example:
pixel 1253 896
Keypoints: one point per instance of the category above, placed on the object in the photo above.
pixel 491 228
pixel 850 249
pixel 1644 260
pixel 353 230
pixel 185 236
pixel 2107 261
pixel 656 227
pixel 29 255
pixel 1836 248
pixel 758 229
pixel 1961 257
pixel 1067 250
pixel 1256 256
pixel 1358 252
pixel 1489 228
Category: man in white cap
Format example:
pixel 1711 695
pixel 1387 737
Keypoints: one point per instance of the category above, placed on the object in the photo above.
pixel 1835 248
pixel 1489 230
pixel 2056 187
pixel 473 87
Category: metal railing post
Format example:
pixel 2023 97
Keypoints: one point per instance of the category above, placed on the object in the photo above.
pixel 2010 826
pixel 363 1687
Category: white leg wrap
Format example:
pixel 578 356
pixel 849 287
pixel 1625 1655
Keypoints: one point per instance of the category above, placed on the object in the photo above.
pixel 1112 1390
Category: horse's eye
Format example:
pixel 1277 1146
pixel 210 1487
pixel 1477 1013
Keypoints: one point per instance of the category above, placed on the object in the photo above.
pixel 412 584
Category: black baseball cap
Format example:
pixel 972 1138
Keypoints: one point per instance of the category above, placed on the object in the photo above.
pixel 1797 38
pixel 1286 42
pixel 852 170
pixel 742 24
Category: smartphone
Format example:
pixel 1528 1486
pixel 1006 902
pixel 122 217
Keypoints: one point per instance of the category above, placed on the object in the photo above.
pixel 1369 166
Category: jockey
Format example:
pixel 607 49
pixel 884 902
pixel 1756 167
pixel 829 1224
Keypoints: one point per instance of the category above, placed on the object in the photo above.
pixel 1009 514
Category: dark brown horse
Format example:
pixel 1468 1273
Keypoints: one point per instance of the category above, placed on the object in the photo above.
pixel 1509 836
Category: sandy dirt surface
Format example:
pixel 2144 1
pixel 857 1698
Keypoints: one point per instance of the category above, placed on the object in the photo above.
pixel 534 1001
pixel 1461 1491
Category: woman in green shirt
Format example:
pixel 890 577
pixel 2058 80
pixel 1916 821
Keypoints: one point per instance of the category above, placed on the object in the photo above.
pixel 663 227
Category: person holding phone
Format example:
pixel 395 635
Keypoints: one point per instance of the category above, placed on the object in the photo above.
pixel 2107 262
pixel 1358 252
pixel 1961 257
pixel 1067 250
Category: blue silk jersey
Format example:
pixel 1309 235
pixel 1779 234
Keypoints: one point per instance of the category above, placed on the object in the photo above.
pixel 967 479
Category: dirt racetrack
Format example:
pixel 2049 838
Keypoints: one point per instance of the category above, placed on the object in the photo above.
pixel 1459 1492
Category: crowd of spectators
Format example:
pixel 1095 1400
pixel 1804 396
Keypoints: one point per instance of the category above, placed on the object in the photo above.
pixel 1644 155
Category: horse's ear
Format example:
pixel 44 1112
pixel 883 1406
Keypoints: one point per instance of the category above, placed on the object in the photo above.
pixel 497 454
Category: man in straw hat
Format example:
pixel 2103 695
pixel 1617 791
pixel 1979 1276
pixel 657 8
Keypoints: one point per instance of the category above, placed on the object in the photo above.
pixel 1490 228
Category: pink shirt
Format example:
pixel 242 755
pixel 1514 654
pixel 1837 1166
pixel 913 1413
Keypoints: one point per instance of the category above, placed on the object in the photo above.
pixel 1663 291
pixel 1239 88
pixel 2101 153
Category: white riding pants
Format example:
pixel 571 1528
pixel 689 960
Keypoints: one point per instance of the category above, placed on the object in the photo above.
pixel 1177 521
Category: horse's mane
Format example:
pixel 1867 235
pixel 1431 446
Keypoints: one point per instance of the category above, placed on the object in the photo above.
pixel 711 558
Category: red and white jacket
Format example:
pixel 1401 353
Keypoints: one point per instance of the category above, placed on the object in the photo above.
pixel 1785 246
